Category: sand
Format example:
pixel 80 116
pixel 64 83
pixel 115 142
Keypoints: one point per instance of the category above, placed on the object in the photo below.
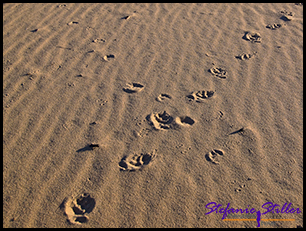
pixel 139 115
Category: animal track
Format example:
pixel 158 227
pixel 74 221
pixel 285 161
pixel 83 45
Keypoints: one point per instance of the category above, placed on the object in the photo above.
pixel 161 121
pixel 219 72
pixel 200 96
pixel 164 121
pixel 213 156
pixel 252 36
pixel 76 208
pixel 287 16
pixel 133 88
pixel 98 40
pixel 163 97
pixel 244 56
pixel 108 57
pixel 136 161
pixel 71 23
pixel 61 5
pixel 275 26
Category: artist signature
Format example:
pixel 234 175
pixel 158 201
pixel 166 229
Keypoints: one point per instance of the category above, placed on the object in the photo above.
pixel 268 206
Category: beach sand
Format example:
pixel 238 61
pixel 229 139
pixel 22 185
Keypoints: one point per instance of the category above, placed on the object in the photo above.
pixel 139 115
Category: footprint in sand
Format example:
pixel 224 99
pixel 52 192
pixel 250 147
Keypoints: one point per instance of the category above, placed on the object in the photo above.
pixel 133 87
pixel 126 17
pixel 71 23
pixel 161 120
pixel 254 37
pixel 98 40
pixel 219 72
pixel 245 56
pixel 163 97
pixel 275 26
pixel 76 208
pixel 135 162
pixel 108 57
pixel 164 121
pixel 61 5
pixel 184 121
pixel 214 155
pixel 200 96
pixel 287 16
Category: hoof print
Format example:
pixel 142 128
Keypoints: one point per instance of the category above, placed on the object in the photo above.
pixel 136 161
pixel 108 57
pixel 214 155
pixel 200 96
pixel 126 17
pixel 76 209
pixel 163 97
pixel 133 88
pixel 252 36
pixel 164 121
pixel 219 72
pixel 245 56
pixel 161 120
pixel 275 26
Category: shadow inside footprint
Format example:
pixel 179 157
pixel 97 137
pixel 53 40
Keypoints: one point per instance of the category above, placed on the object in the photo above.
pixel 126 17
pixel 287 16
pixel 76 208
pixel 86 202
pixel 122 164
pixel 219 152
pixel 83 219
pixel 108 57
pixel 185 120
pixel 146 158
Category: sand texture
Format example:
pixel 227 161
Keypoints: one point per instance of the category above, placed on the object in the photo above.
pixel 139 115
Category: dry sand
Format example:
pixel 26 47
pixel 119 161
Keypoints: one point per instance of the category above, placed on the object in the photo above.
pixel 185 104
